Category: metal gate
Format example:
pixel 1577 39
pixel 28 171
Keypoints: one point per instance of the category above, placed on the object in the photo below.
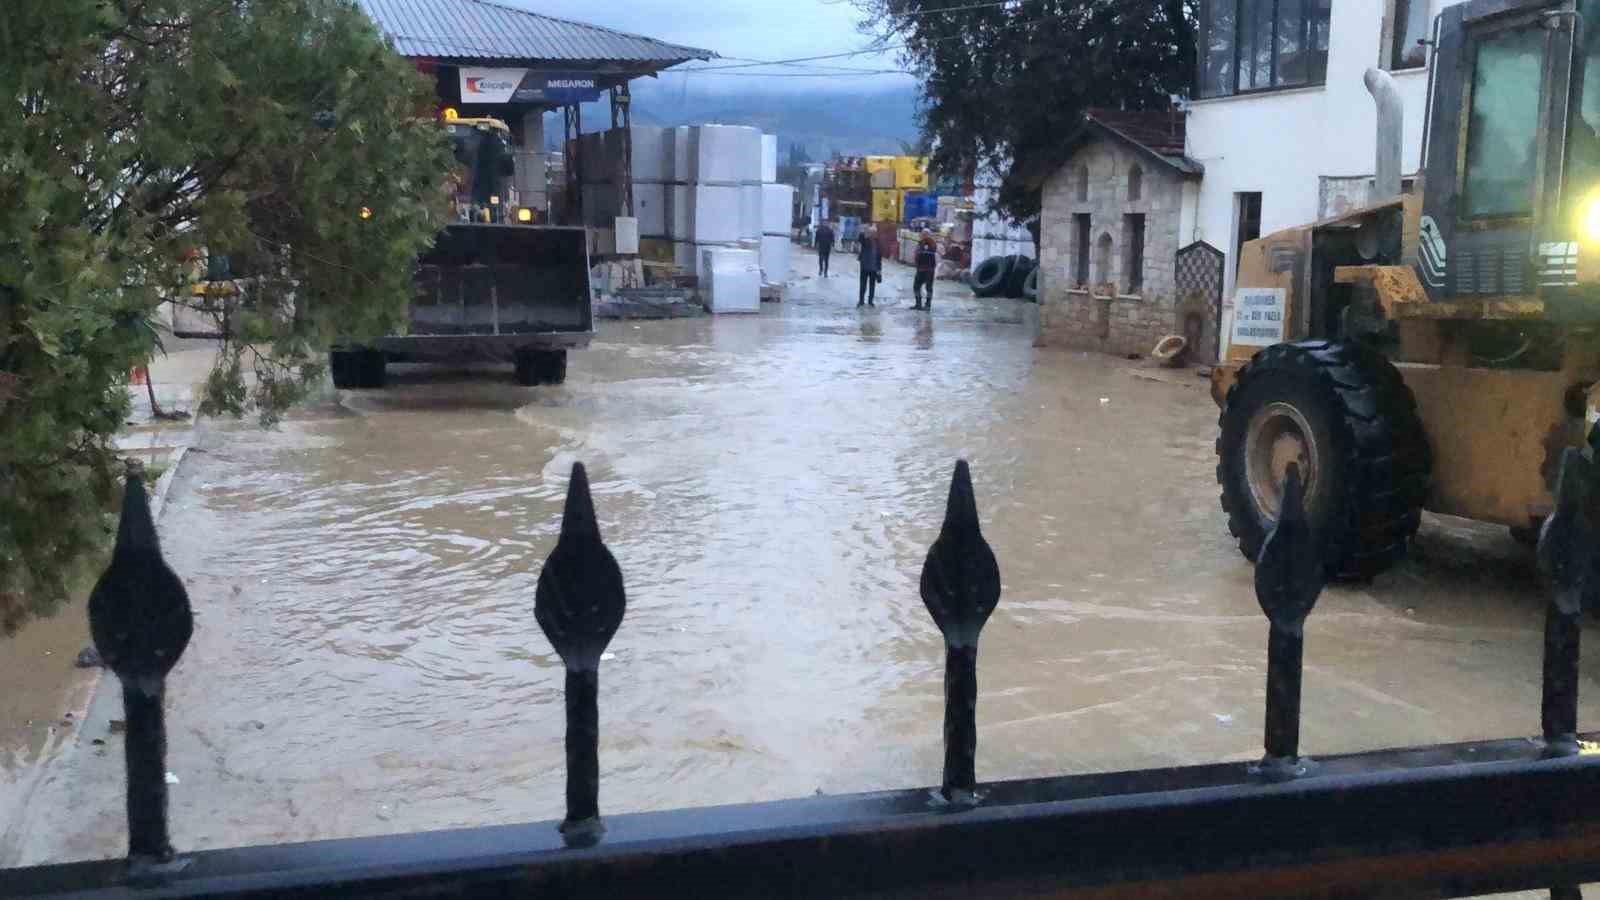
pixel 1446 820
pixel 1197 275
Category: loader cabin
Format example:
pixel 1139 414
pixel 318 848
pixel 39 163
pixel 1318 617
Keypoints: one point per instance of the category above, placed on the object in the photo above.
pixel 505 69
pixel 1433 349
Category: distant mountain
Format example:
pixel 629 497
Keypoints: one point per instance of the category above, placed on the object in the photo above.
pixel 824 122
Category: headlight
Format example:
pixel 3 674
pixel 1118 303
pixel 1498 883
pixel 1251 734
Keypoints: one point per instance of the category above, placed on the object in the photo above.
pixel 366 213
pixel 1589 218
pixel 524 215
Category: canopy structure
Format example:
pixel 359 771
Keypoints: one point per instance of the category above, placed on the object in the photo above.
pixel 493 59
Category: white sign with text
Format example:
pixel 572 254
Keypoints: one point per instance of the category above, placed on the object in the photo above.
pixel 1258 316
pixel 480 85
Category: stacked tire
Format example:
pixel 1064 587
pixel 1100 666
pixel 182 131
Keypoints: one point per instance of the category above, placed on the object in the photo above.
pixel 989 278
pixel 1004 276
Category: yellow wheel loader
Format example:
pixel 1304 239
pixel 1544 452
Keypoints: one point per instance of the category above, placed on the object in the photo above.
pixel 1437 350
pixel 496 286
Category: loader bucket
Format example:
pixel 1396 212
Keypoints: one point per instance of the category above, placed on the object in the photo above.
pixel 483 279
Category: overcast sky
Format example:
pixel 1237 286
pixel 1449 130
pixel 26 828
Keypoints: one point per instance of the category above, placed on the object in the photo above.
pixel 748 29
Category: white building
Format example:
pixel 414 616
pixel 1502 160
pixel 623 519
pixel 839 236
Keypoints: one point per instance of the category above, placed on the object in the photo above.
pixel 1288 137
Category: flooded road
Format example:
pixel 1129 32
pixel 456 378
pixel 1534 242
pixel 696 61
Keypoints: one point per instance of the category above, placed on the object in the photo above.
pixel 366 658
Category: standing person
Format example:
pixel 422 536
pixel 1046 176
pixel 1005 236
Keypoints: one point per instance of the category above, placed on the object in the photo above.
pixel 824 247
pixel 927 265
pixel 871 267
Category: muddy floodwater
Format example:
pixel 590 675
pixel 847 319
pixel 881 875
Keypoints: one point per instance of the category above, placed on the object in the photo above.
pixel 366 658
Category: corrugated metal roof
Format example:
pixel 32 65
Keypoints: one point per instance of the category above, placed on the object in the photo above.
pixel 480 30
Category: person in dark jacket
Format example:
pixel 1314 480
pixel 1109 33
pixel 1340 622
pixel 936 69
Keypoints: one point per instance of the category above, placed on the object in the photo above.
pixel 824 247
pixel 927 265
pixel 871 268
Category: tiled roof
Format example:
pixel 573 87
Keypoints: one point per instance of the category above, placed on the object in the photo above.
pixel 481 30
pixel 1160 131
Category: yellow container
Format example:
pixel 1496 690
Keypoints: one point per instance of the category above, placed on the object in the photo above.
pixel 911 172
pixel 886 205
pixel 879 163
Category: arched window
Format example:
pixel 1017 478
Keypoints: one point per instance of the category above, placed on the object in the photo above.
pixel 1135 182
pixel 1083 183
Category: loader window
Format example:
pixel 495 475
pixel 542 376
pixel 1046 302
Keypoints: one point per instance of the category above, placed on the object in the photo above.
pixel 1583 128
pixel 1503 132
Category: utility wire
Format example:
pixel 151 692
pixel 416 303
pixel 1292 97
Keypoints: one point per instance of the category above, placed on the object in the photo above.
pixel 883 48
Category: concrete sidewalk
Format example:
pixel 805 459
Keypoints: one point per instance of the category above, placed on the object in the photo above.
pixel 55 701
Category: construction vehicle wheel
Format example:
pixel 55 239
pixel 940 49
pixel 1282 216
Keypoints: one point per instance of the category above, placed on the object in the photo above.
pixel 1528 535
pixel 1343 414
pixel 536 367
pixel 357 368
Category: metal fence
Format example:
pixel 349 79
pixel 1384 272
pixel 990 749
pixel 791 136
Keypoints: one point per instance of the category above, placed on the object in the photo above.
pixel 1446 820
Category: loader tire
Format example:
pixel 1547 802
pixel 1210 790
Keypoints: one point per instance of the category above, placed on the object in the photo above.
pixel 1344 414
pixel 535 367
pixel 357 368
pixel 989 278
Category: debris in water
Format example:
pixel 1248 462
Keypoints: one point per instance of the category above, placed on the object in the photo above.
pixel 89 658
pixel 171 778
pixel 606 656
pixel 1222 718
pixel 1105 401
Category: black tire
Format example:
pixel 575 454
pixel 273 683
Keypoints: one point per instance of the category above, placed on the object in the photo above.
pixel 990 276
pixel 357 368
pixel 1017 278
pixel 1368 456
pixel 535 367
pixel 1030 287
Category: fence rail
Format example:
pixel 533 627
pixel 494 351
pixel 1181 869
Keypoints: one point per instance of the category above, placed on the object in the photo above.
pixel 1445 820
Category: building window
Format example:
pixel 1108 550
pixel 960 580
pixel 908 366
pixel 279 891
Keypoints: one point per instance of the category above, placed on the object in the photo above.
pixel 1102 260
pixel 1249 211
pixel 1257 45
pixel 1080 262
pixel 1133 246
pixel 1083 183
pixel 1135 183
pixel 1409 24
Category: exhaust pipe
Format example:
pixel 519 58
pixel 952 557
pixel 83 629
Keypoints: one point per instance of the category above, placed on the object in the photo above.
pixel 1391 130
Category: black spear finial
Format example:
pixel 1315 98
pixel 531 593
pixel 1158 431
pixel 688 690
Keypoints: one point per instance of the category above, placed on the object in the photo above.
pixel 1289 577
pixel 579 605
pixel 1567 555
pixel 960 587
pixel 140 619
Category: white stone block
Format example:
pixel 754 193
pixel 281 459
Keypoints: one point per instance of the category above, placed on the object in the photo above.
pixel 777 208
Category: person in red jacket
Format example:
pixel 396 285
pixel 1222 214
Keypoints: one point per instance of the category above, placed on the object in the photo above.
pixel 927 265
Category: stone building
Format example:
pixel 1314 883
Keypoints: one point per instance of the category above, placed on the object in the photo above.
pixel 1114 216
